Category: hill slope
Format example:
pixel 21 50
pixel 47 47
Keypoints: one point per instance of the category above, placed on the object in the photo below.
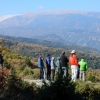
pixel 32 50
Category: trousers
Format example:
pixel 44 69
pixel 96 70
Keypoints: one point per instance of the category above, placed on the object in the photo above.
pixel 74 70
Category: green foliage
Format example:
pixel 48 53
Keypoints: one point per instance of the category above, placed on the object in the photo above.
pixel 86 91
pixel 21 68
pixel 36 74
pixel 28 62
pixel 6 64
pixel 17 89
pixel 91 77
pixel 28 71
pixel 61 89
pixel 32 50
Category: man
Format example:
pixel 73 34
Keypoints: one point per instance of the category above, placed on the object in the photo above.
pixel 83 68
pixel 1 59
pixel 41 65
pixel 64 64
pixel 73 61
pixel 48 65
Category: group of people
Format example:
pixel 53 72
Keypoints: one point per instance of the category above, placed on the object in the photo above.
pixel 62 63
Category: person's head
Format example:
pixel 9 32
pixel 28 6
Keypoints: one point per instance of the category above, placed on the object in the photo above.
pixel 63 53
pixel 48 55
pixel 52 58
pixel 40 55
pixel 73 52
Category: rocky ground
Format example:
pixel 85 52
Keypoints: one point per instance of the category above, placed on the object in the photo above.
pixel 37 82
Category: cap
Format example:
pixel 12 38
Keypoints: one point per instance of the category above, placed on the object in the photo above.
pixel 73 51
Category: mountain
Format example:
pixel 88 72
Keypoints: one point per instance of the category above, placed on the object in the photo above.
pixel 78 27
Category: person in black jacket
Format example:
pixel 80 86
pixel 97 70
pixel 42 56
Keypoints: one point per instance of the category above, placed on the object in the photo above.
pixel 64 64
pixel 1 59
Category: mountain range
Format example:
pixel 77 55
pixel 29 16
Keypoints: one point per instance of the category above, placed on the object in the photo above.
pixel 78 27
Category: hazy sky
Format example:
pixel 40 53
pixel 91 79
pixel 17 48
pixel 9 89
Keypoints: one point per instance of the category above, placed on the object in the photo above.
pixel 10 7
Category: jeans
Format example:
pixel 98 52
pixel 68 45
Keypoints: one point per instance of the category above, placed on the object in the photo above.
pixel 48 73
pixel 65 70
pixel 74 70
pixel 83 75
pixel 41 73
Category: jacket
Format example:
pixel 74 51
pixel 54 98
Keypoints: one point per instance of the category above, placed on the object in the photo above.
pixel 64 61
pixel 52 63
pixel 73 60
pixel 48 61
pixel 40 62
pixel 58 64
pixel 83 65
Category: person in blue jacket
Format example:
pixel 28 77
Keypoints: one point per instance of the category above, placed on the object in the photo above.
pixel 48 65
pixel 41 66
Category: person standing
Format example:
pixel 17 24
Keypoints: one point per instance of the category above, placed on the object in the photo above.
pixel 53 67
pixel 73 61
pixel 83 68
pixel 1 60
pixel 41 66
pixel 64 64
pixel 48 65
pixel 58 64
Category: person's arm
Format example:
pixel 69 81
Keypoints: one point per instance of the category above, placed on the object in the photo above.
pixel 76 60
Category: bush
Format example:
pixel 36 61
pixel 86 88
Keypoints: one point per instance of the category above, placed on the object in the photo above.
pixel 91 77
pixel 61 89
pixel 16 89
pixel 86 91
pixel 28 71
pixel 36 74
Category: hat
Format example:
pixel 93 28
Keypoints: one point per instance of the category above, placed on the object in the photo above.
pixel 73 51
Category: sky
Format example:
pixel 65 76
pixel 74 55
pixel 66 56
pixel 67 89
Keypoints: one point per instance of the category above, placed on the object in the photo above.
pixel 12 7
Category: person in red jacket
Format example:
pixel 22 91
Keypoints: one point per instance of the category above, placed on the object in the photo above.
pixel 73 61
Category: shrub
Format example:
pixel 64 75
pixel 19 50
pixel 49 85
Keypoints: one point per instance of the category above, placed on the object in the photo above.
pixel 16 89
pixel 28 71
pixel 61 89
pixel 91 77
pixel 86 91
pixel 36 74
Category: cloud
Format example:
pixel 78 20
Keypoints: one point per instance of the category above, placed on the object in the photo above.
pixel 40 7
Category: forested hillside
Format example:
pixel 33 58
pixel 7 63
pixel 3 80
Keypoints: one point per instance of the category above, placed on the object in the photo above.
pixel 32 50
pixel 67 45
